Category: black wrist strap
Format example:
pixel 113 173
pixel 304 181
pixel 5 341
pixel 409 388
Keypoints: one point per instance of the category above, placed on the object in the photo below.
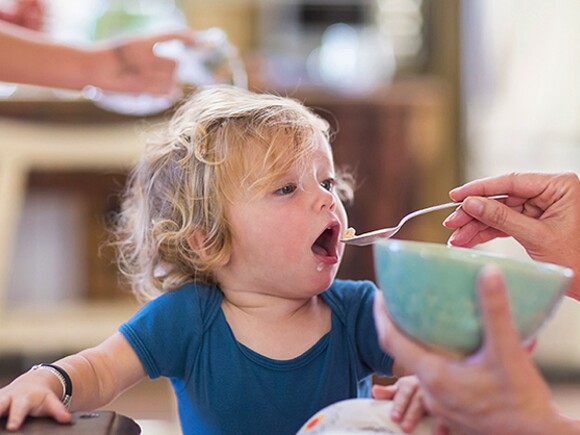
pixel 64 379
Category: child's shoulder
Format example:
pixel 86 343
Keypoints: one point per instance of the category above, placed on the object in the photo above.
pixel 348 293
pixel 196 302
pixel 350 288
pixel 191 295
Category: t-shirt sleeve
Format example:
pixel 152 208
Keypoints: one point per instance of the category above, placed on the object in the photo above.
pixel 353 303
pixel 166 333
pixel 366 334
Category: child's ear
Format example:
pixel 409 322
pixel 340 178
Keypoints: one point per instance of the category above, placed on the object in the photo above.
pixel 197 241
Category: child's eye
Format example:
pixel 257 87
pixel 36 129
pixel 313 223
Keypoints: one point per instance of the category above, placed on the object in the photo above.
pixel 328 184
pixel 286 190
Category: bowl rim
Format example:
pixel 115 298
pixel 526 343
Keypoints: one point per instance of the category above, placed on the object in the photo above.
pixel 432 249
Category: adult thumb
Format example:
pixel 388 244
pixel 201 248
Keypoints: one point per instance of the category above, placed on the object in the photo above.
pixel 500 336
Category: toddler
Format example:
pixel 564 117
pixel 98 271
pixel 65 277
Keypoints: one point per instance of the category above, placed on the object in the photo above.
pixel 230 229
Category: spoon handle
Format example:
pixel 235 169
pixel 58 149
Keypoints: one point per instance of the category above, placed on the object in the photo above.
pixel 385 233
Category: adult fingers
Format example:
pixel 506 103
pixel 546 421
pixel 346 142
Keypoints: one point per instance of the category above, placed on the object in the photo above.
pixel 187 36
pixel 159 80
pixel 501 217
pixel 500 336
pixel 457 219
pixel 473 235
pixel 527 185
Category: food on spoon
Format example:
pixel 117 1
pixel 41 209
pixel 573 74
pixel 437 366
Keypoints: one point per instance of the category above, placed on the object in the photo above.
pixel 348 233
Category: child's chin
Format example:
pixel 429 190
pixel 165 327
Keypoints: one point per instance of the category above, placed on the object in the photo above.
pixel 325 279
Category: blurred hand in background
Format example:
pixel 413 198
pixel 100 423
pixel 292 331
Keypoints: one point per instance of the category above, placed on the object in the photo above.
pixel 25 13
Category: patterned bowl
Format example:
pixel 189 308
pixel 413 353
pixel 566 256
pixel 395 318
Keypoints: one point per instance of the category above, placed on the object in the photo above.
pixel 430 291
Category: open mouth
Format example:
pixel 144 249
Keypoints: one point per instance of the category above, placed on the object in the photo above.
pixel 325 244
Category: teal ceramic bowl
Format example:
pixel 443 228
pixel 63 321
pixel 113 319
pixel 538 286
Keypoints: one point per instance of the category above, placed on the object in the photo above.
pixel 430 291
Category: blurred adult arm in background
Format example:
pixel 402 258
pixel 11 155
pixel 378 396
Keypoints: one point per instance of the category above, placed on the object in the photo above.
pixel 25 13
pixel 542 213
pixel 497 390
pixel 118 65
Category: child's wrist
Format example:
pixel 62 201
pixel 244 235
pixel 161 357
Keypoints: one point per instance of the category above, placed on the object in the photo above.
pixel 63 378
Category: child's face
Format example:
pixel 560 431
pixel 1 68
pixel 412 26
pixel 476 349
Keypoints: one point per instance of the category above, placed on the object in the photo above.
pixel 286 242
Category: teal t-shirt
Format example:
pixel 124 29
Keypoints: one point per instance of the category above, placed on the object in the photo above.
pixel 223 387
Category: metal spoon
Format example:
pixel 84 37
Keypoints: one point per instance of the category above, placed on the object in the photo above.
pixel 386 233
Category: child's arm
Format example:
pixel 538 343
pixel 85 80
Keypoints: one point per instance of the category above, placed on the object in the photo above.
pixel 408 406
pixel 97 375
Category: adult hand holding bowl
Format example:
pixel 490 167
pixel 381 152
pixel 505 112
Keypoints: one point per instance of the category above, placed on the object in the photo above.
pixel 430 291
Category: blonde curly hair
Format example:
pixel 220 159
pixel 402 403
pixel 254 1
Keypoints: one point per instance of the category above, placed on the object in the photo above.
pixel 172 228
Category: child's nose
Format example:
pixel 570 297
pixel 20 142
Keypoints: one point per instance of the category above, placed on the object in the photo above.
pixel 325 199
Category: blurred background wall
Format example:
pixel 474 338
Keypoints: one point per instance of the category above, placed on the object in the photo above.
pixel 520 111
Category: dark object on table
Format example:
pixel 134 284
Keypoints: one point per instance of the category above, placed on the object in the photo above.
pixel 85 423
